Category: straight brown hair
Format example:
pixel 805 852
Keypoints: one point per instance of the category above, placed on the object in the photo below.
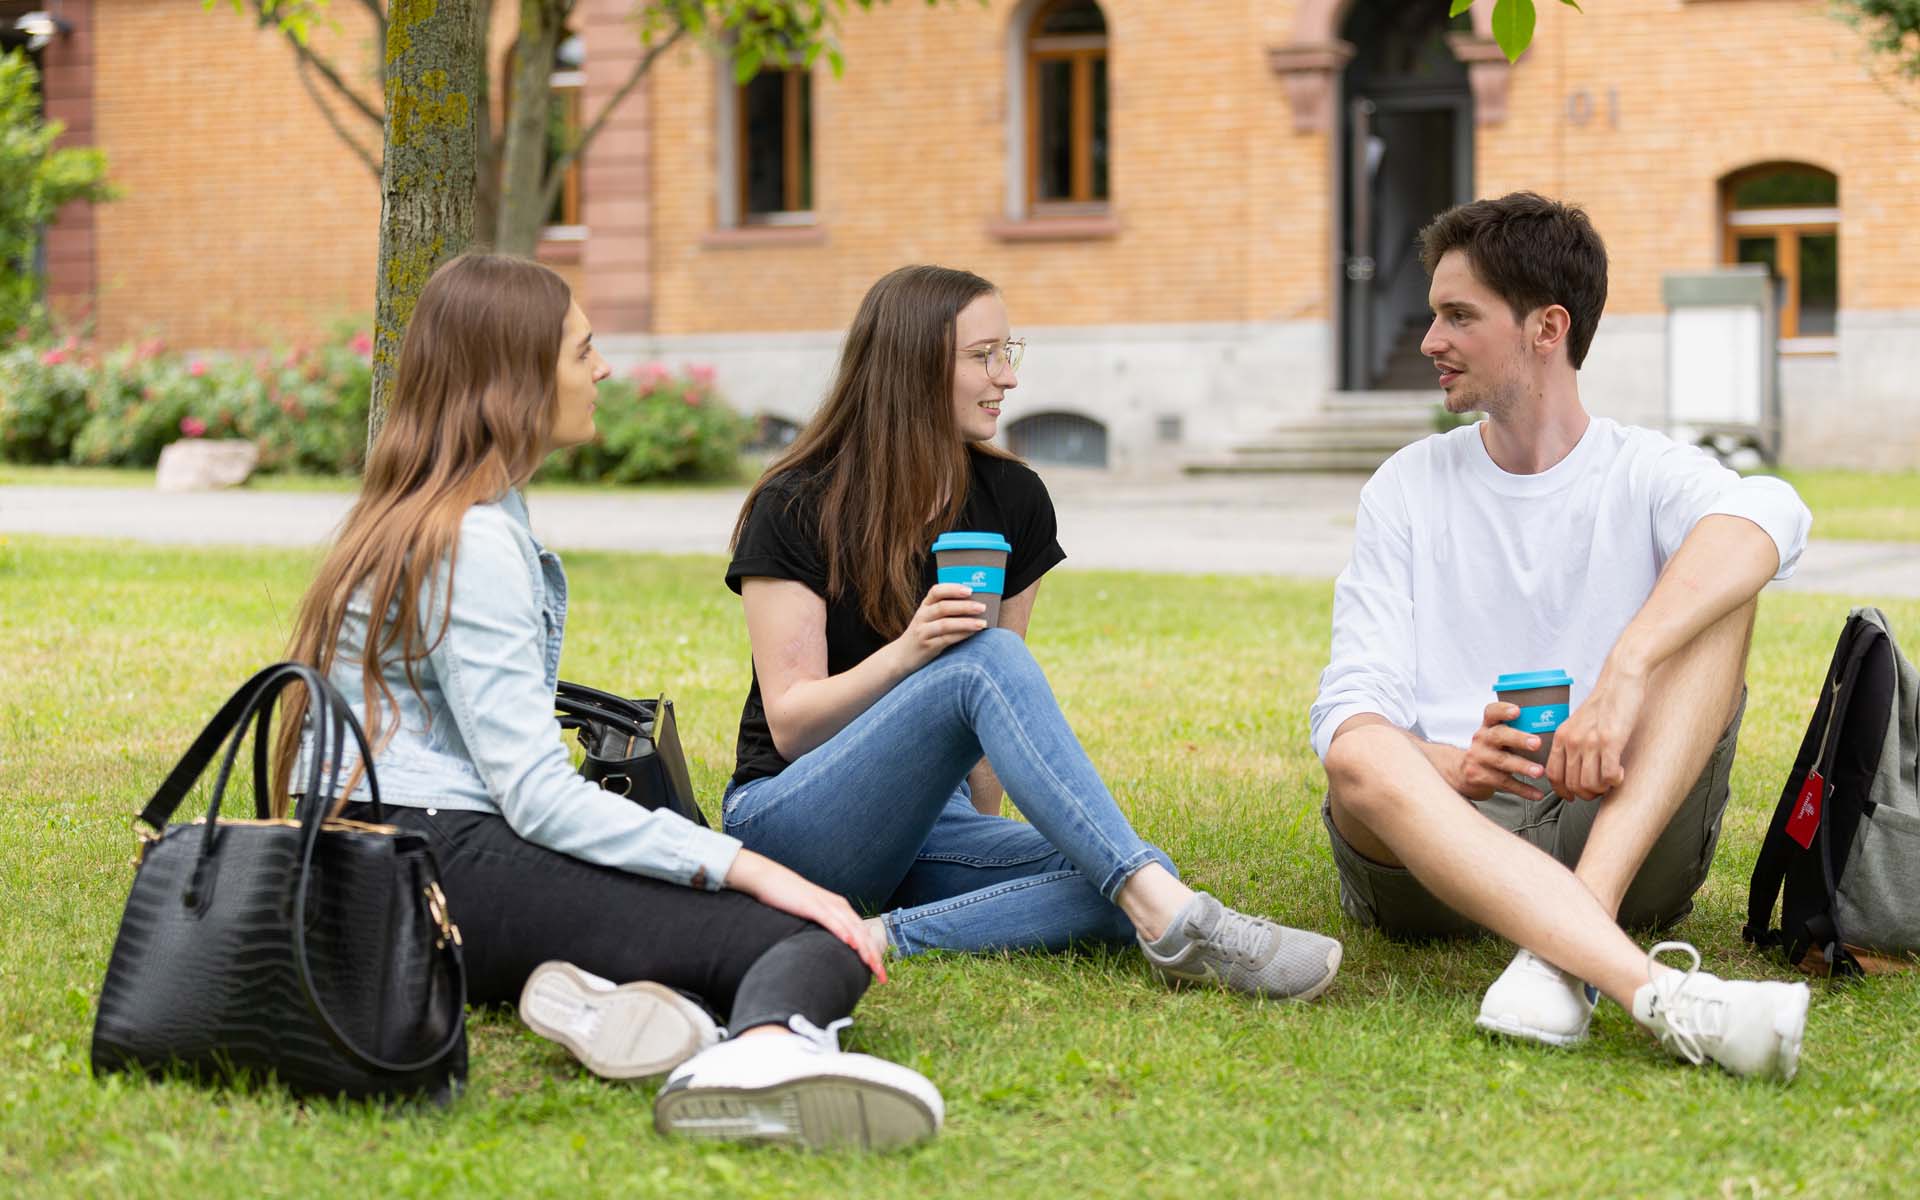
pixel 884 452
pixel 468 417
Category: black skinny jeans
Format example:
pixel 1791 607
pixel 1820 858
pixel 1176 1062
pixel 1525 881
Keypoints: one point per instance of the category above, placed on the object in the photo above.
pixel 519 905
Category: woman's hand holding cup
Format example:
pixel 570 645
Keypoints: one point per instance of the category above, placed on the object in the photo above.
pixel 947 616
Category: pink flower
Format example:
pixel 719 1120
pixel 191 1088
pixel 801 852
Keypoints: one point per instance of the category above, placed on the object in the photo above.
pixel 362 344
pixel 196 368
pixel 192 426
pixel 652 375
pixel 701 374
pixel 692 397
pixel 53 358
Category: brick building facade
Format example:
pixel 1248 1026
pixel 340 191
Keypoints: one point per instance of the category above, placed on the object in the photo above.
pixel 1200 213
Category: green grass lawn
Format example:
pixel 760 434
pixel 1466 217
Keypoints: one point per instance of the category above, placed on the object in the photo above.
pixel 1075 1075
pixel 1861 504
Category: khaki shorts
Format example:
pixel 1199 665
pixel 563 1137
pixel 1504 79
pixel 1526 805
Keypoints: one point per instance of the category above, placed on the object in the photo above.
pixel 1662 893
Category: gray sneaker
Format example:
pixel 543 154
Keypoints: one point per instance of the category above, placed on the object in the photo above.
pixel 1209 943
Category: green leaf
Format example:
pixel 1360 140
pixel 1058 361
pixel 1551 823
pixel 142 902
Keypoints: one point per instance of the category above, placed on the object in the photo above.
pixel 746 62
pixel 1575 6
pixel 1513 27
pixel 1459 6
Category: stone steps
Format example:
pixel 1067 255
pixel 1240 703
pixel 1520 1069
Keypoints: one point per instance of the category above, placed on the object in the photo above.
pixel 1354 431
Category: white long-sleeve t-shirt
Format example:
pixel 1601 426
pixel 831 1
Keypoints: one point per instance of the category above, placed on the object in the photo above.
pixel 1462 572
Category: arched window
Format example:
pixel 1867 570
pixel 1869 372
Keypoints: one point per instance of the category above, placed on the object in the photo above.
pixel 1786 216
pixel 1059 438
pixel 1067 143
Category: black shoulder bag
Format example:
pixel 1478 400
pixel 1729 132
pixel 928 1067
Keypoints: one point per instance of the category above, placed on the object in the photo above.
pixel 317 952
pixel 633 747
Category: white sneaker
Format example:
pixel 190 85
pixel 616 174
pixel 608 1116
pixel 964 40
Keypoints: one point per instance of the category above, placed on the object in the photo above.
pixel 1748 1027
pixel 624 1031
pixel 1536 1000
pixel 800 1089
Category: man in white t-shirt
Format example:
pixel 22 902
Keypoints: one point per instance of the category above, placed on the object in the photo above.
pixel 1545 539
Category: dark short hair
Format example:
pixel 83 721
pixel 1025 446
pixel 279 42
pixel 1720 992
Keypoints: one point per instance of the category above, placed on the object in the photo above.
pixel 1532 252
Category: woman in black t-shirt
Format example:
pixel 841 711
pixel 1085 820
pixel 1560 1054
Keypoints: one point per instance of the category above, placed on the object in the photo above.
pixel 877 691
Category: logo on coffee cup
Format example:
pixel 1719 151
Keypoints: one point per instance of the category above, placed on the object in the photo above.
pixel 977 579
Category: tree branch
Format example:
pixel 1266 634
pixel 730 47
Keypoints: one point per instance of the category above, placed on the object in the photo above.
pixel 379 10
pixel 306 56
pixel 333 120
pixel 557 173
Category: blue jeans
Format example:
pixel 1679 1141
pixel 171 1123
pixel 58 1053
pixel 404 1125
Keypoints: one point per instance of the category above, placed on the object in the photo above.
pixel 881 812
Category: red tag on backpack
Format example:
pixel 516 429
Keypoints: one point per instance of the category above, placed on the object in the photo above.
pixel 1806 810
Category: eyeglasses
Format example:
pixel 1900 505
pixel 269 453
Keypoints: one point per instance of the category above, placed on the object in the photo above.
pixel 999 355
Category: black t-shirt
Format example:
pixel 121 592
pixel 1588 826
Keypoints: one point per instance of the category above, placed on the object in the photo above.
pixel 782 541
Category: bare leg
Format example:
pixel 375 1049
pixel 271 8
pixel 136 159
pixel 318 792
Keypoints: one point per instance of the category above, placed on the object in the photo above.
pixel 1690 699
pixel 1151 897
pixel 1390 803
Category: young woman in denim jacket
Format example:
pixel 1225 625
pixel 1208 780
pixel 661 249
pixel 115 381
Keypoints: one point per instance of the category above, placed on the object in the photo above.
pixel 882 706
pixel 441 615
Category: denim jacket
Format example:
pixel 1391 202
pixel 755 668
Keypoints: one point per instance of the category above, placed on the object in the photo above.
pixel 480 735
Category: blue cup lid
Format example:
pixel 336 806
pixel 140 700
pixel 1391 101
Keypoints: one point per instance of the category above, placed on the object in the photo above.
pixel 1524 680
pixel 972 541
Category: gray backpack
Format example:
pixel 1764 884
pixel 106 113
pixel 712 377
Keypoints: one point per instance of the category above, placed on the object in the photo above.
pixel 1844 844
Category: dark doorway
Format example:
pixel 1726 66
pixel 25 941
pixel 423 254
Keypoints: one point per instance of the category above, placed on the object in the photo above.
pixel 1406 154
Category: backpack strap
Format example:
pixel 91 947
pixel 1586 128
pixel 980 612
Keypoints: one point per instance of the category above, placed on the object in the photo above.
pixel 1817 750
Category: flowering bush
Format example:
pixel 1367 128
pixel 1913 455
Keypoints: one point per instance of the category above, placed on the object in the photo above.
pixel 656 425
pixel 306 410
pixel 43 398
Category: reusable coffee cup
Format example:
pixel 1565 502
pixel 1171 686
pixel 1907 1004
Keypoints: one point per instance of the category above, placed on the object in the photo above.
pixel 1543 697
pixel 978 560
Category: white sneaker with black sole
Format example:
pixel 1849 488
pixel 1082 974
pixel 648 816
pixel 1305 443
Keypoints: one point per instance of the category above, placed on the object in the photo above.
pixel 617 1031
pixel 800 1089
pixel 1748 1027
pixel 1537 1001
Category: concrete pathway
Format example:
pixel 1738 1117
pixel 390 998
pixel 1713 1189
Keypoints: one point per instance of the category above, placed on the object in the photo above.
pixel 1297 525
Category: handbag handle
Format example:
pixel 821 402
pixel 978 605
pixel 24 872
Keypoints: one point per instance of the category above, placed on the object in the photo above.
pixel 578 715
pixel 577 693
pixel 242 704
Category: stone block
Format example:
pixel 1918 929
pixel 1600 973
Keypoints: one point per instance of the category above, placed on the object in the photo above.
pixel 193 465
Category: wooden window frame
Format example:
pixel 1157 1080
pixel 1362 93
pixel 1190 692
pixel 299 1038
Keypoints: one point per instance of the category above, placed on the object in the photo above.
pixel 569 90
pixel 793 138
pixel 1080 51
pixel 1786 224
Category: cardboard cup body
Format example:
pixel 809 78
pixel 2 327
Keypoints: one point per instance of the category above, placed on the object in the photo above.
pixel 982 570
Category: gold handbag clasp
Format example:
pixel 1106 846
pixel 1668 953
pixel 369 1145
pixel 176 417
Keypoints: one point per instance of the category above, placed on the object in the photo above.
pixel 437 909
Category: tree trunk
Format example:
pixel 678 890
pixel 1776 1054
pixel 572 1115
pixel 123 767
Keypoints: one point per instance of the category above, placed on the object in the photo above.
pixel 426 212
pixel 523 203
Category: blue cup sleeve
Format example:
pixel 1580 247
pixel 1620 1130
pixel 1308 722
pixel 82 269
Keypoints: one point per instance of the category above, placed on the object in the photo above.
pixel 1540 718
pixel 980 579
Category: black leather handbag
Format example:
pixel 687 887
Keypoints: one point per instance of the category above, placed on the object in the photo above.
pixel 314 951
pixel 633 747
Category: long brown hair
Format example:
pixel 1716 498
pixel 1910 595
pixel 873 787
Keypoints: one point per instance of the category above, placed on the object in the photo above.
pixel 468 416
pixel 884 452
